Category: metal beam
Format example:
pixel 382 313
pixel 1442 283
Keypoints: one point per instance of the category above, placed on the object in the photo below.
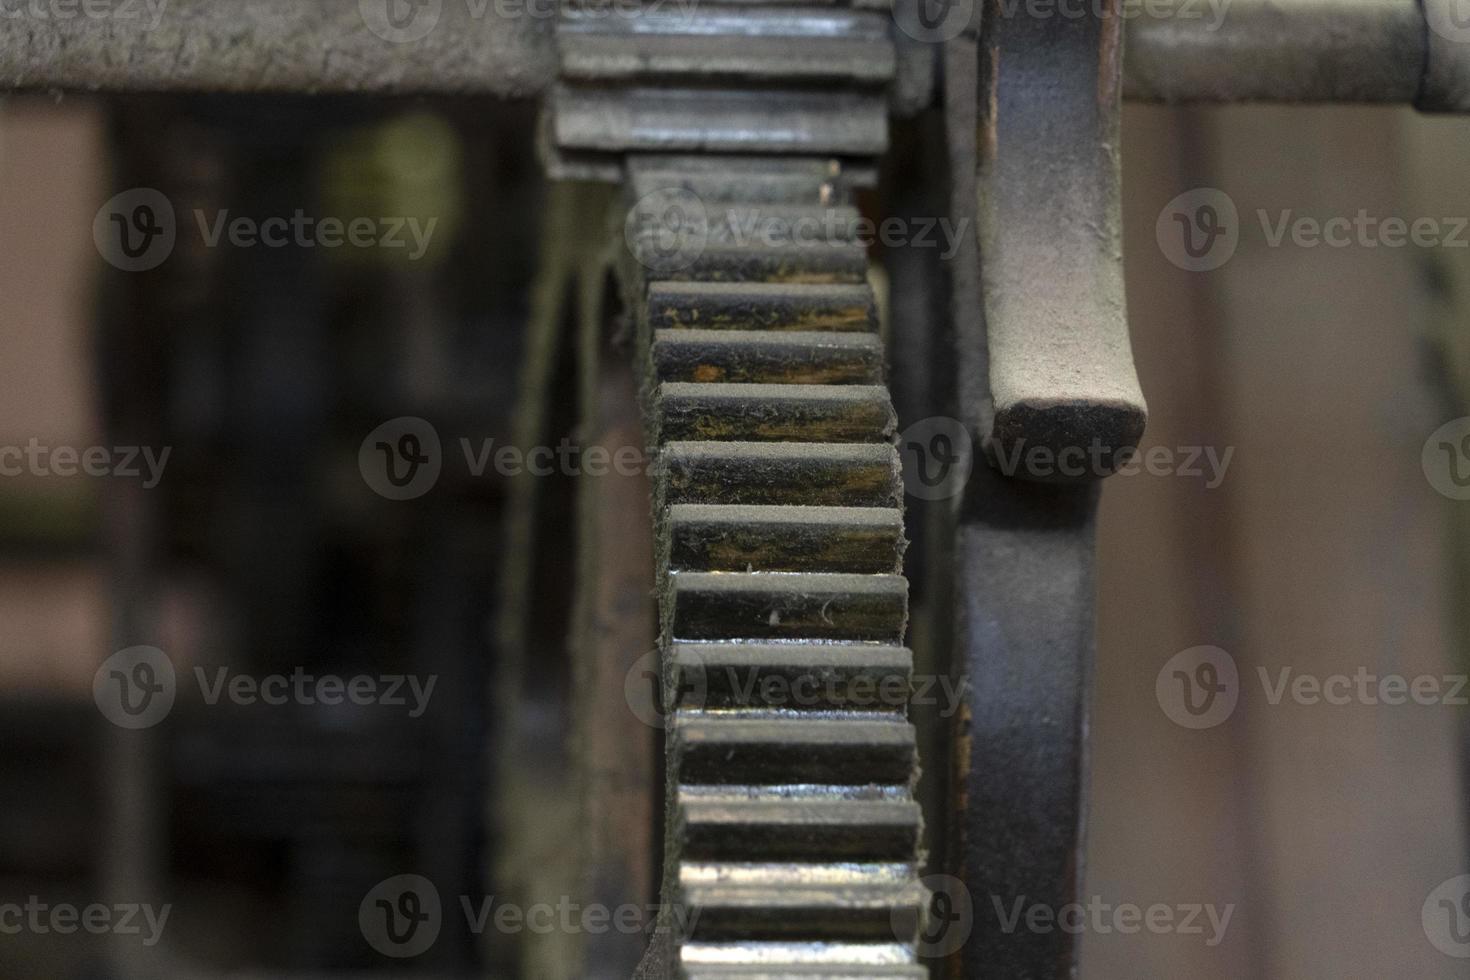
pixel 1178 51
pixel 487 47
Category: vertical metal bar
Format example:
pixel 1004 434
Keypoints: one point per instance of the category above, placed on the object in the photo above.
pixel 1046 364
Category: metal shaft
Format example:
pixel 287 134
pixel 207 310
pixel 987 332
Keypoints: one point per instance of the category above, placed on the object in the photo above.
pixel 1377 51
pixel 1177 51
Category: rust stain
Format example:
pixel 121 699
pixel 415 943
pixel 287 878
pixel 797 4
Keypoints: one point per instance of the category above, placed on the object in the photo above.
pixel 989 132
pixel 853 317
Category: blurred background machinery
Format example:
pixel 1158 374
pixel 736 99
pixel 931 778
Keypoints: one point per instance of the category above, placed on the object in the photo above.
pixel 265 551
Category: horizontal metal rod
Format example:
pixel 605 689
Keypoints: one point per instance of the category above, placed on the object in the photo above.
pixel 1177 51
pixel 1203 51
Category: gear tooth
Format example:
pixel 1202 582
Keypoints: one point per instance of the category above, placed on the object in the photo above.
pixel 822 474
pixel 775 960
pixel 732 537
pixel 809 826
pixel 839 307
pixel 773 413
pixel 793 606
pixel 831 44
pixel 788 911
pixel 802 676
pixel 750 180
pixel 751 748
pixel 767 357
pixel 795 972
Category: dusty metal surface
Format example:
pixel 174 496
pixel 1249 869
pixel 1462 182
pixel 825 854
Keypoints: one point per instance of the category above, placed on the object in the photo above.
pixel 1023 551
pixel 1024 591
pixel 793 833
pixel 614 626
pixel 1062 381
pixel 1252 50
pixel 807 80
pixel 834 44
pixel 1268 51
pixel 1446 85
pixel 443 46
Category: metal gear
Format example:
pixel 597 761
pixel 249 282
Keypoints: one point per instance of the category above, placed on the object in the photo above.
pixel 793 834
